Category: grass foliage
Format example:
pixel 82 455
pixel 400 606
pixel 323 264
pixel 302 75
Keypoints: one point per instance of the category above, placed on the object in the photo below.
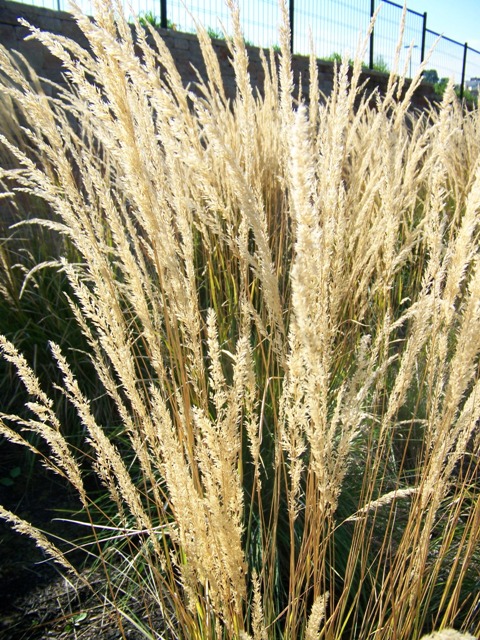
pixel 280 301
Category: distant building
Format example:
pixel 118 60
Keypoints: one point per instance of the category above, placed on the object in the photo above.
pixel 473 85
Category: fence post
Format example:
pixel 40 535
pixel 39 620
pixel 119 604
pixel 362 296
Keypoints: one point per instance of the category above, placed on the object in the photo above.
pixel 424 36
pixel 464 68
pixel 163 14
pixel 372 11
pixel 291 18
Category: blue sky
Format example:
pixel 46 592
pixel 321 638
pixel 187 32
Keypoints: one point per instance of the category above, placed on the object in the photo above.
pixel 459 20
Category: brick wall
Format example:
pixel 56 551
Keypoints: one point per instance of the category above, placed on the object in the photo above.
pixel 184 47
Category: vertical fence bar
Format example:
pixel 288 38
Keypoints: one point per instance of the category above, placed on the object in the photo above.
pixel 424 37
pixel 464 68
pixel 291 11
pixel 163 14
pixel 372 11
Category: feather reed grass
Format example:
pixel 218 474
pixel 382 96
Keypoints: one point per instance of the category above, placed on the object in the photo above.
pixel 281 301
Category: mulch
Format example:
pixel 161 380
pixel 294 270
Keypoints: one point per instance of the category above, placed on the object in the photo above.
pixel 62 609
pixel 36 601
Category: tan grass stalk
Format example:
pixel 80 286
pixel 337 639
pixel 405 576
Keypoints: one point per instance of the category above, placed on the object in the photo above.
pixel 317 616
pixel 25 528
pixel 448 634
pixel 386 499
pixel 281 302
pixel 46 423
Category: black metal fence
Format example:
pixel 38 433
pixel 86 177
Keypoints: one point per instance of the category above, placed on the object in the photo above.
pixel 334 26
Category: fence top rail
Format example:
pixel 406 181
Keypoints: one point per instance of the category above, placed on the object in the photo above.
pixel 433 33
pixel 399 6
pixel 462 44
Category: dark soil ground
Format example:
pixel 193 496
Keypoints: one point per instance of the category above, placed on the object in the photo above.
pixel 36 601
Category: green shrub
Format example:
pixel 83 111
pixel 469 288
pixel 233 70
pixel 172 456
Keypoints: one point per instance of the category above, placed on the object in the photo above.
pixel 149 18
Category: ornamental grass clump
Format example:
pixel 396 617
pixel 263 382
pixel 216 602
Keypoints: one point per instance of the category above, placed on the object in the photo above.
pixel 281 300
